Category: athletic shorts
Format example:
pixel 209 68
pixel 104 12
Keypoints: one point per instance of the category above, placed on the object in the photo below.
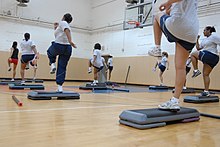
pixel 15 61
pixel 187 69
pixel 110 68
pixel 98 68
pixel 208 58
pixel 32 64
pixel 27 58
pixel 187 45
pixel 161 67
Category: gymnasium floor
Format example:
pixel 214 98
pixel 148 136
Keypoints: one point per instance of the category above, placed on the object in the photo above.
pixel 92 121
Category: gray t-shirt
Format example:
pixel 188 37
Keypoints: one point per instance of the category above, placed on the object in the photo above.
pixel 183 22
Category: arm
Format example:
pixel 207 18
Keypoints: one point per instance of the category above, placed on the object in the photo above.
pixel 11 52
pixel 106 67
pixel 67 32
pixel 166 6
pixel 94 59
pixel 35 51
pixel 197 43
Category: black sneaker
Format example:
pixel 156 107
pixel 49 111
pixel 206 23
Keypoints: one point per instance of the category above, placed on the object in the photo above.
pixel 205 93
pixel 196 73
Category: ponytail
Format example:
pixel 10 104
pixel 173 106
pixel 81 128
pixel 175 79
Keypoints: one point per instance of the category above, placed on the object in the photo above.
pixel 211 29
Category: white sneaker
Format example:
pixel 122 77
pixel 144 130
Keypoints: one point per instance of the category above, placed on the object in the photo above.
pixel 12 80
pixel 52 68
pixel 22 82
pixel 60 88
pixel 9 69
pixel 155 51
pixel 90 70
pixel 184 88
pixel 34 78
pixel 93 83
pixel 172 106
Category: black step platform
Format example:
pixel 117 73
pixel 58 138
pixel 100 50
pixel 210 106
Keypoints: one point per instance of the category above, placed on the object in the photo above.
pixel 34 81
pixel 188 90
pixel 26 86
pixel 158 87
pixel 200 99
pixel 154 117
pixel 48 95
pixel 6 82
pixel 90 86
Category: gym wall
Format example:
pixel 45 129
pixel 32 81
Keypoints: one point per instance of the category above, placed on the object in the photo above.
pixel 140 71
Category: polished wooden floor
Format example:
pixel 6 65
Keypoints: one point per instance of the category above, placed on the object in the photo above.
pixel 92 121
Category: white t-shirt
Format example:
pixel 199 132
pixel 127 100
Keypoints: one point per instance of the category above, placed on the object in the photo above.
pixel 164 61
pixel 26 47
pixel 60 35
pixel 110 62
pixel 210 43
pixel 183 22
pixel 98 62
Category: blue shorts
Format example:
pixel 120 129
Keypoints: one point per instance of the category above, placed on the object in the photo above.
pixel 110 68
pixel 27 58
pixel 98 68
pixel 187 45
pixel 208 58
pixel 161 67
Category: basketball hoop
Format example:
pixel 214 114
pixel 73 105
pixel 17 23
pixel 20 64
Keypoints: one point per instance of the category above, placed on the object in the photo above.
pixel 133 23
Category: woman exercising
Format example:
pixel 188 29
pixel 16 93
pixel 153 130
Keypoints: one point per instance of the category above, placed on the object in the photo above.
pixel 162 64
pixel 13 59
pixel 62 47
pixel 180 24
pixel 28 53
pixel 207 52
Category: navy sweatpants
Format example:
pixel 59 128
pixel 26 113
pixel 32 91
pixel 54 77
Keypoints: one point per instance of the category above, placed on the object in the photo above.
pixel 64 52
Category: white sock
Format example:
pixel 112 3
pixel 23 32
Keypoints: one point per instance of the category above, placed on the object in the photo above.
pixel 195 70
pixel 90 68
pixel 157 46
pixel 174 100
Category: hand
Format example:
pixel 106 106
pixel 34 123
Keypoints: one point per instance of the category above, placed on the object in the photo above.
pixel 73 45
pixel 165 6
pixel 167 68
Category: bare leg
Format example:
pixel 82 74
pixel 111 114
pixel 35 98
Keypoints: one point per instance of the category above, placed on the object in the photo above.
pixel 9 63
pixel 109 76
pixel 206 79
pixel 95 74
pixel 35 72
pixel 181 56
pixel 23 65
pixel 195 58
pixel 161 77
pixel 14 70
pixel 157 29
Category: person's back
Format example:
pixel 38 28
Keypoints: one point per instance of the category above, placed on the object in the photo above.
pixel 98 61
pixel 26 47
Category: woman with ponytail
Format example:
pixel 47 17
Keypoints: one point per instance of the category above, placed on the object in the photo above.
pixel 207 53
pixel 28 53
